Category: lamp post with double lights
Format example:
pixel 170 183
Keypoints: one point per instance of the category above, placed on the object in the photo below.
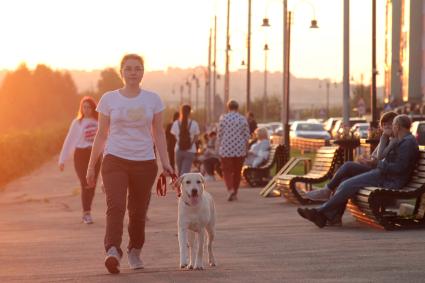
pixel 287 21
pixel 266 50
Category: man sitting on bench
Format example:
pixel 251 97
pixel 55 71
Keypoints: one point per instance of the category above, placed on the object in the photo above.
pixel 392 172
pixel 353 168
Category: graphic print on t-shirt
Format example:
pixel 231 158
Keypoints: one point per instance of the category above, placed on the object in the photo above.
pixel 135 114
pixel 89 132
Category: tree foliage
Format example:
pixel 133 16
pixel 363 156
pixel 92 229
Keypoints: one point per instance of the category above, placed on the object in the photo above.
pixel 31 98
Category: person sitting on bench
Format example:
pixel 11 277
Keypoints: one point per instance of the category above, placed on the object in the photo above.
pixel 259 151
pixel 392 172
pixel 350 168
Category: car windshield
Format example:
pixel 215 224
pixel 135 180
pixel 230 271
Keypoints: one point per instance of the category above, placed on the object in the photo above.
pixel 364 127
pixel 310 127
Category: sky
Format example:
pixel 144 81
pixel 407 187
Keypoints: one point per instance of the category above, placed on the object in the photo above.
pixel 94 34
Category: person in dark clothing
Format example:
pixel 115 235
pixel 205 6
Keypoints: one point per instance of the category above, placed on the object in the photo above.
pixel 392 172
pixel 171 140
pixel 251 122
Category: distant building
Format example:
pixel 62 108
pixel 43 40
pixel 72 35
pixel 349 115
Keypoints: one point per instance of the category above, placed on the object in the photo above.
pixel 405 51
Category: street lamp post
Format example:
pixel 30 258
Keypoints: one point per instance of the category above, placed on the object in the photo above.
pixel 374 121
pixel 227 74
pixel 248 62
pixel 266 49
pixel 287 15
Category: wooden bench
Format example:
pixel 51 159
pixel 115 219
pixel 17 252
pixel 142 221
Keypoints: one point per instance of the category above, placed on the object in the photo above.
pixel 260 176
pixel 326 160
pixel 375 206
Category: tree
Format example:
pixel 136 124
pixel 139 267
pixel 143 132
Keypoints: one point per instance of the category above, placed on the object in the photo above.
pixel 109 80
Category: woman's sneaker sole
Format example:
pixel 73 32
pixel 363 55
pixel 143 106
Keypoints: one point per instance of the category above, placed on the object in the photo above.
pixel 112 264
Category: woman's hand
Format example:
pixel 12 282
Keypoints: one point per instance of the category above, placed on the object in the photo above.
pixel 168 170
pixel 90 177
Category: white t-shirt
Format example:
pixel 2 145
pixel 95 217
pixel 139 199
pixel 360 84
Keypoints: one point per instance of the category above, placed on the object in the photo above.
pixel 80 135
pixel 130 135
pixel 193 130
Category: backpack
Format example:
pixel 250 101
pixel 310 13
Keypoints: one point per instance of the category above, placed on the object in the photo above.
pixel 185 142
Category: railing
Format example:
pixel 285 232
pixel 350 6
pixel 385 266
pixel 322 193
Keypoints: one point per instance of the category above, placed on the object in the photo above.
pixel 302 144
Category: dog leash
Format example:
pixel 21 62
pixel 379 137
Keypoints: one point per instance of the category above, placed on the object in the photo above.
pixel 161 185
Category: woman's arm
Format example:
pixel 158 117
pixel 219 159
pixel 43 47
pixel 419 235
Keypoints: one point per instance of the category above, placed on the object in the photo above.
pixel 160 142
pixel 69 144
pixel 98 146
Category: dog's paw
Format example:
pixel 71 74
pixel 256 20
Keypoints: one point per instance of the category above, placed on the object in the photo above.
pixel 189 267
pixel 182 266
pixel 213 264
pixel 198 267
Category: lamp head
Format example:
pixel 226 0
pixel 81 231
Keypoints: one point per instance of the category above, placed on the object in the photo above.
pixel 265 22
pixel 314 24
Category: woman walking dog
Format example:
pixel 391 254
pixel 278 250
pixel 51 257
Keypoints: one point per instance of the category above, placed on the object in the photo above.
pixel 130 124
pixel 79 141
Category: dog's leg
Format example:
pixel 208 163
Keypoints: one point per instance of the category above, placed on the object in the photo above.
pixel 192 249
pixel 183 247
pixel 199 265
pixel 210 232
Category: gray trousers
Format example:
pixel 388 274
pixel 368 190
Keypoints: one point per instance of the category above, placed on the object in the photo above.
pixel 127 180
pixel 184 161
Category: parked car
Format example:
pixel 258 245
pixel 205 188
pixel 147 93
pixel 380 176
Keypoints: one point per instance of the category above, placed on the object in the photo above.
pixel 338 125
pixel 329 124
pixel 418 130
pixel 274 126
pixel 267 126
pixel 360 130
pixel 308 130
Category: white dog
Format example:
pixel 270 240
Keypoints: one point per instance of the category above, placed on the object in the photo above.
pixel 196 214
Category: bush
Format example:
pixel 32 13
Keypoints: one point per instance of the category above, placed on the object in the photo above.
pixel 22 152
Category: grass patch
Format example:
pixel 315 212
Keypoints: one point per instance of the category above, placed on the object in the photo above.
pixel 22 152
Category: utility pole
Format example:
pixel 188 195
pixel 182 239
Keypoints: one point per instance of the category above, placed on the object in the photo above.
pixel 227 75
pixel 374 122
pixel 346 64
pixel 215 70
pixel 208 91
pixel 248 65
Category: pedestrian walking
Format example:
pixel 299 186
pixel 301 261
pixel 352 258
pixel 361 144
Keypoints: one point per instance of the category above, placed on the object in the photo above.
pixel 233 137
pixel 79 142
pixel 130 125
pixel 186 132
pixel 171 140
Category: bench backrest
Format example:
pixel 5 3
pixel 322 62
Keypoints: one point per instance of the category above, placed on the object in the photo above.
pixel 418 177
pixel 325 159
pixel 271 158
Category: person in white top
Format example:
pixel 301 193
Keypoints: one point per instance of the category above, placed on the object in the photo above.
pixel 79 142
pixel 130 124
pixel 186 132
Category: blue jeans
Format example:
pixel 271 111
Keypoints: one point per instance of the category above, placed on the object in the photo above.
pixel 184 161
pixel 347 170
pixel 336 205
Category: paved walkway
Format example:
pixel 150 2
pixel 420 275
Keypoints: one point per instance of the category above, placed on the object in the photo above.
pixel 258 240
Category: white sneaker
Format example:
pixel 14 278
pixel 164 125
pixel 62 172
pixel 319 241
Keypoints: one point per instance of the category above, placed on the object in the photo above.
pixel 87 219
pixel 319 195
pixel 112 260
pixel 134 260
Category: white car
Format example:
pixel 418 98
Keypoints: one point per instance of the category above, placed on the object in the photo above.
pixel 300 129
pixel 360 130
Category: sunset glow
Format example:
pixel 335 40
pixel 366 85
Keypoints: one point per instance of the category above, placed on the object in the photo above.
pixel 94 34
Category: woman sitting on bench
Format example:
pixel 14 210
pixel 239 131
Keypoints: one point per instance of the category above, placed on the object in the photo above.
pixel 259 151
pixel 350 169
